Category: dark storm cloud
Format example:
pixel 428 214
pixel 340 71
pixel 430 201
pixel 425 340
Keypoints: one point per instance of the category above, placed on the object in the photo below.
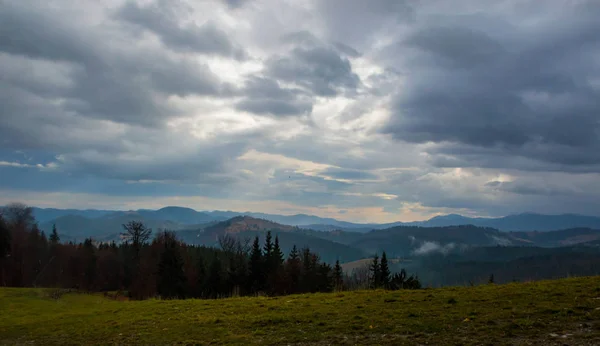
pixel 525 92
pixel 265 96
pixel 161 19
pixel 309 68
pixel 317 68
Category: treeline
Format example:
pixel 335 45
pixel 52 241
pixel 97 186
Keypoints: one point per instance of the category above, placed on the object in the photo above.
pixel 144 266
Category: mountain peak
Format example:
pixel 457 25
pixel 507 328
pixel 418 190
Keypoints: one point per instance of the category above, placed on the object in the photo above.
pixel 244 223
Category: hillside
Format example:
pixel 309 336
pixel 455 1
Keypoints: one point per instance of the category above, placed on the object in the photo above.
pixel 564 237
pixel 538 313
pixel 240 224
pixel 246 228
pixel 408 240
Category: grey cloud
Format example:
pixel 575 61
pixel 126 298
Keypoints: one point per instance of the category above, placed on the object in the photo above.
pixel 235 3
pixel 274 107
pixel 522 95
pixel 458 46
pixel 265 96
pixel 340 18
pixel 346 49
pixel 102 80
pixel 532 187
pixel 27 32
pixel 160 19
pixel 319 69
pixel 340 173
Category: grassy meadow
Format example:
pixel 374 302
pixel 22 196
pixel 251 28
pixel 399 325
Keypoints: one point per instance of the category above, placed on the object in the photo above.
pixel 561 312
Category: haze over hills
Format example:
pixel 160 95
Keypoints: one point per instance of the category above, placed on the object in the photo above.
pixel 179 217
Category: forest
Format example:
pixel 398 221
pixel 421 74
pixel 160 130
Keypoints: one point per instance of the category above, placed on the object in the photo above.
pixel 147 264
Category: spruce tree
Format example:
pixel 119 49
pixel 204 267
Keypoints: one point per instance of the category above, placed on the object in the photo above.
pixel 293 271
pixel 4 238
pixel 54 238
pixel 384 271
pixel 338 276
pixel 215 278
pixel 256 281
pixel 277 256
pixel 171 277
pixel 275 270
pixel 268 251
pixel 200 278
pixel 89 273
pixel 375 272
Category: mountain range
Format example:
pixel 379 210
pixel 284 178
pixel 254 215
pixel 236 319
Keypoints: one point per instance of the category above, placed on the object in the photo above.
pixel 91 221
pixel 443 250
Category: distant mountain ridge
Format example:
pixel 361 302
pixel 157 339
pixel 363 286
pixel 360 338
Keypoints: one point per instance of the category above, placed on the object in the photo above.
pixel 180 216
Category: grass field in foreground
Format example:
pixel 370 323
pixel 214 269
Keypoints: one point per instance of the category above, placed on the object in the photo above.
pixel 539 313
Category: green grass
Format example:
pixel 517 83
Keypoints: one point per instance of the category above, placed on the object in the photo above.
pixel 539 313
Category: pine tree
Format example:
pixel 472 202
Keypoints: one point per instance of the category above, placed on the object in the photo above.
pixel 200 278
pixel 308 271
pixel 384 271
pixel 277 256
pixel 256 281
pixel 338 274
pixel 4 238
pixel 275 270
pixel 293 271
pixel 54 238
pixel 171 277
pixel 268 250
pixel 215 278
pixel 89 253
pixel 375 272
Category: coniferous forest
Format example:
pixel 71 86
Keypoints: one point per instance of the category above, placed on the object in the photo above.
pixel 149 264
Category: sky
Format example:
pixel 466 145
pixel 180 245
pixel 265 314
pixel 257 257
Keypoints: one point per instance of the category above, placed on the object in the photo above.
pixel 379 111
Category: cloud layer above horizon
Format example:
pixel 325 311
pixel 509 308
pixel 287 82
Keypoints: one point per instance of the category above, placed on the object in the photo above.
pixel 377 110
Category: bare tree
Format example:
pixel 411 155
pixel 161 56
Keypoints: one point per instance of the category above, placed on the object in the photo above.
pixel 228 243
pixel 231 244
pixel 137 233
pixel 19 215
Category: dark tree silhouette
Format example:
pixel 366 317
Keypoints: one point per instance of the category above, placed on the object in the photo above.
pixel 137 234
pixel 19 216
pixel 256 267
pixel 375 272
pixel 277 256
pixel 268 251
pixel 338 276
pixel 214 281
pixel 54 238
pixel 201 281
pixel 293 271
pixel 171 278
pixel 384 271
pixel 4 238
